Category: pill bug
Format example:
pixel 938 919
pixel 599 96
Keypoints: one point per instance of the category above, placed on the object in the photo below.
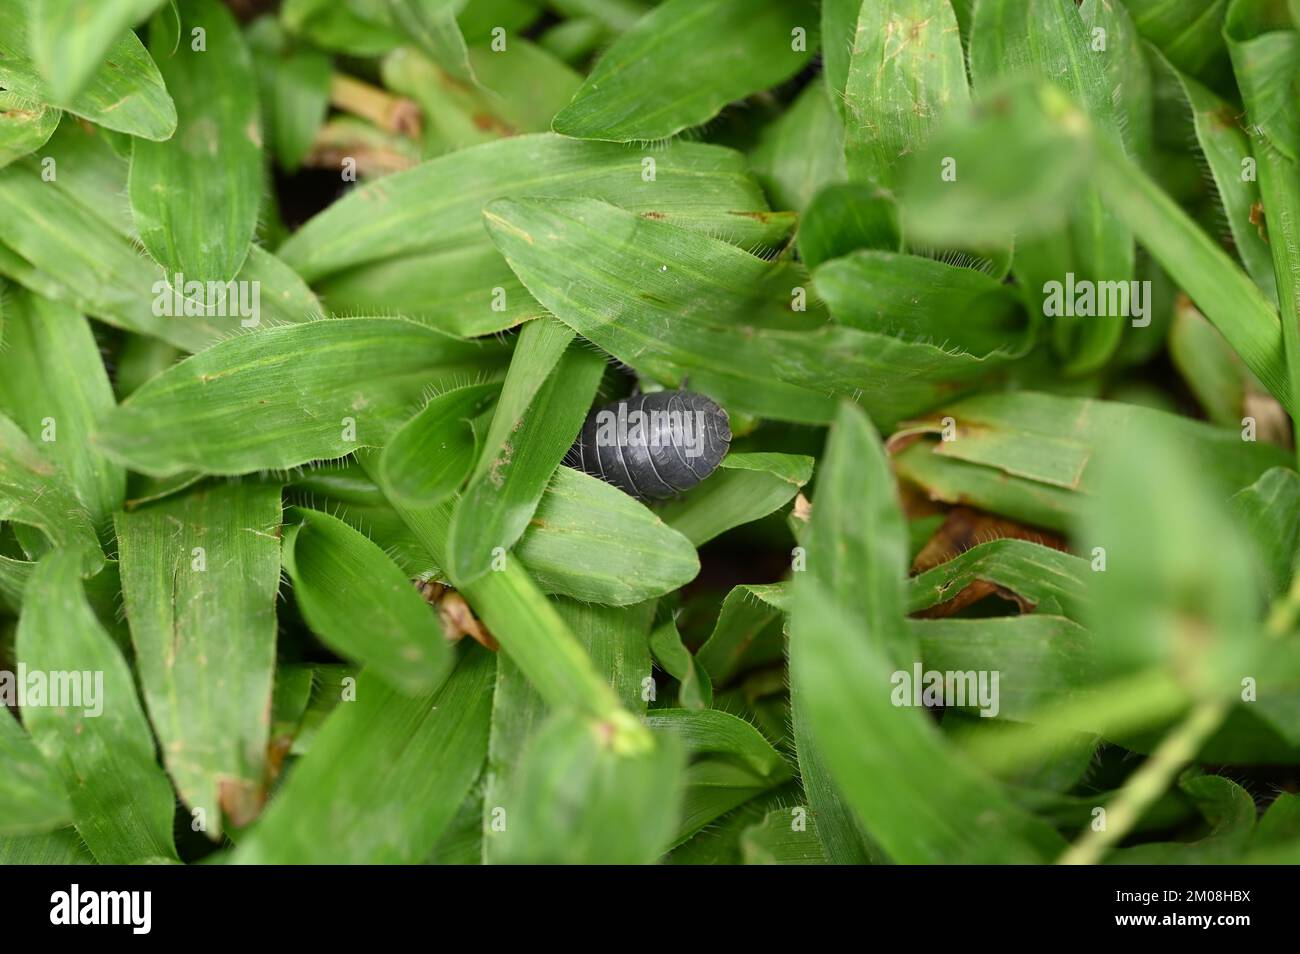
pixel 653 445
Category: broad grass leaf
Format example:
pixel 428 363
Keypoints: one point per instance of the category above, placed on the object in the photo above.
pixel 1189 33
pixel 589 540
pixel 847 216
pixel 24 126
pixel 1228 810
pixel 431 25
pixel 69 39
pixel 396 768
pixel 76 246
pixel 53 385
pixel 524 446
pixel 746 612
pixel 616 638
pixel 121 800
pixel 1264 45
pixel 63 847
pixel 433 453
pixel 294 83
pixel 782 838
pixel 356 27
pixel 200 573
pixel 393 632
pixel 1161 602
pixel 577 798
pixel 1128 72
pixel 1037 577
pixel 1040 660
pixel 35 496
pixel 686 60
pixel 716 733
pixel 744 488
pixel 1226 147
pixel 1212 371
pixel 1047 40
pixel 32 797
pixel 125 92
pixel 385 223
pixel 915 795
pixel 912 297
pixel 286 396
pixel 670 303
pixel 695 692
pixel 1269 510
pixel 906 71
pixel 518 90
pixel 1013 456
pixel 195 205
pixel 801 151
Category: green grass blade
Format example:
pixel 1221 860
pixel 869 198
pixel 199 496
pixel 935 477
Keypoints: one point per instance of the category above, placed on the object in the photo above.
pixel 200 573
pixel 591 541
pixel 295 86
pixel 776 841
pixel 125 92
pixel 53 385
pixel 576 256
pixel 1038 577
pixel 745 488
pixel 24 126
pixel 693 183
pixel 712 732
pixel 315 390
pixel 69 40
pixel 432 454
pixel 33 494
pixel 695 692
pixel 908 296
pixel 906 71
pixel 196 208
pixel 746 611
pixel 396 767
pixel 919 798
pixel 121 800
pixel 32 797
pixel 523 449
pixel 393 632
pixel 616 640
pixel 846 216
pixel 686 60
pixel 801 151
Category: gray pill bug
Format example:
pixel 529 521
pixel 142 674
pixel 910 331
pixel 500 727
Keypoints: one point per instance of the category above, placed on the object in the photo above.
pixel 653 445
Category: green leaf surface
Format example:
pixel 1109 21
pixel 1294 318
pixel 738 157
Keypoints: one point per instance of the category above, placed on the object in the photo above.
pixel 713 732
pixel 782 839
pixel 53 385
pixel 24 126
pixel 286 396
pixel 1041 577
pixel 393 632
pixel 674 658
pixel 195 206
pixel 589 540
pixel 906 71
pixel 396 766
pixel 916 796
pixel 844 217
pixel 802 151
pixel 125 92
pixel 744 488
pixel 200 573
pixel 69 40
pixel 524 446
pixel 121 801
pixel 32 797
pixel 622 281
pixel 432 454
pixel 679 65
